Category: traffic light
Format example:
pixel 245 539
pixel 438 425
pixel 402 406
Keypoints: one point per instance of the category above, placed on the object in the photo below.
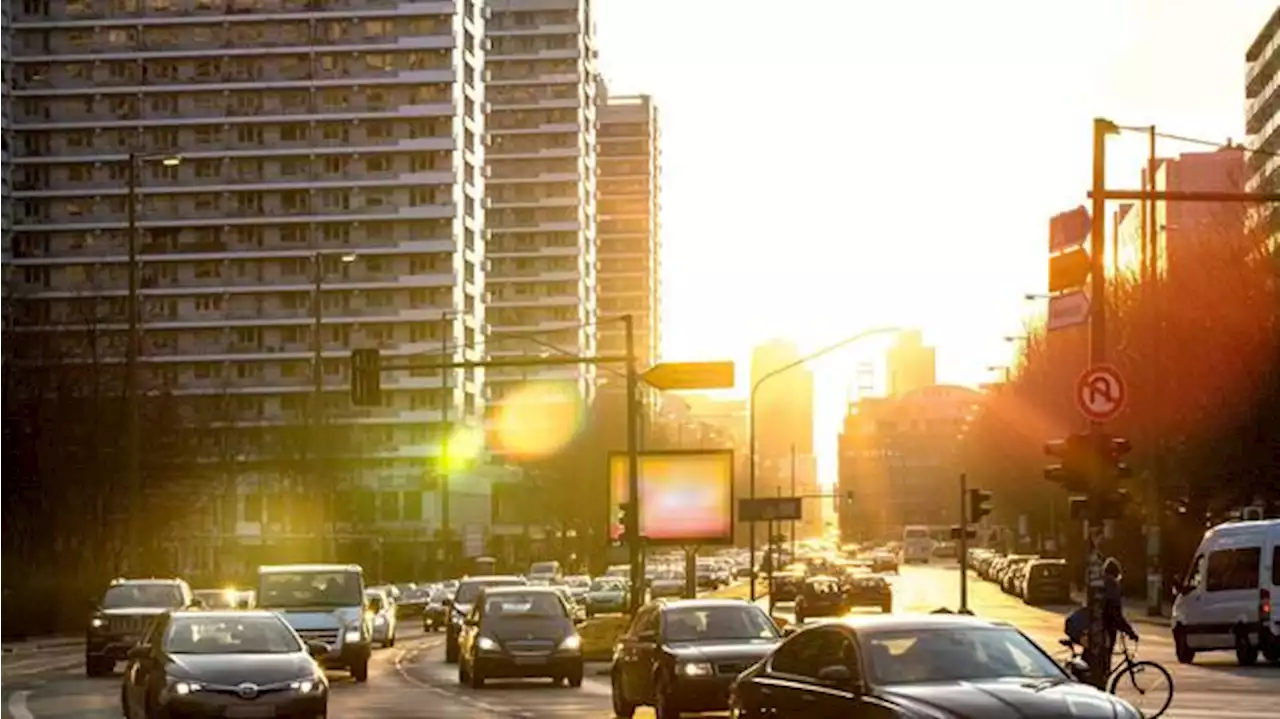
pixel 1112 503
pixel 970 532
pixel 1116 448
pixel 366 377
pixel 1090 462
pixel 979 504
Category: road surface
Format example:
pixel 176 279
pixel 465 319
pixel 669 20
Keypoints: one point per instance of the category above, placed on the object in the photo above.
pixel 412 680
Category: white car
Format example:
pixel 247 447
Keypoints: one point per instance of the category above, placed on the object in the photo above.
pixel 383 610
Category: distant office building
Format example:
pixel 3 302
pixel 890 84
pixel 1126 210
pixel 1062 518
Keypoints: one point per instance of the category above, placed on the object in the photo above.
pixel 309 180
pixel 629 183
pixel 784 427
pixel 899 457
pixel 1181 226
pixel 910 364
pixel 541 184
pixel 1262 116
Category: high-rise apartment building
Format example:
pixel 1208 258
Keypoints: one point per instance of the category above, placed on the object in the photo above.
pixel 541 98
pixel 629 227
pixel 1262 115
pixel 6 134
pixel 910 364
pixel 300 165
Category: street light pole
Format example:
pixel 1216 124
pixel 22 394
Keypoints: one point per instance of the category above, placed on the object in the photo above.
pixel 751 428
pixel 133 351
pixel 446 389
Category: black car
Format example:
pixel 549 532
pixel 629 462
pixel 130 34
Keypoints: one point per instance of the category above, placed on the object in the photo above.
pixel 868 590
pixel 820 597
pixel 681 655
pixel 884 562
pixel 520 633
pixel 785 586
pixel 435 613
pixel 123 615
pixel 925 667
pixel 224 664
pixel 1046 582
pixel 459 606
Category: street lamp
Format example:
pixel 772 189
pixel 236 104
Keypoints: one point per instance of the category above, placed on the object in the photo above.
pixel 133 345
pixel 318 274
pixel 751 427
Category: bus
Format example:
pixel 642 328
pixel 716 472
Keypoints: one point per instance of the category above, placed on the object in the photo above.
pixel 917 544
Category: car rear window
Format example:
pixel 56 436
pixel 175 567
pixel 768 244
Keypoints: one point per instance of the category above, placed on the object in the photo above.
pixel 1235 568
pixel 1049 570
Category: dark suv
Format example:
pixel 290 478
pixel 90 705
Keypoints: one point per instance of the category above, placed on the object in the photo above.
pixel 122 616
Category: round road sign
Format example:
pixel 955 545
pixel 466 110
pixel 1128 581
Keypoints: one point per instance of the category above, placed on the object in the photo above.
pixel 1100 393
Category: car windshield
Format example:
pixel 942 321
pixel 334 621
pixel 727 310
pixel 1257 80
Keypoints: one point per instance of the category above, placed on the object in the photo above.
pixel 955 654
pixel 149 596
pixel 218 598
pixel 540 605
pixel 230 635
pixel 310 589
pixel 543 568
pixel 606 585
pixel 469 592
pixel 717 624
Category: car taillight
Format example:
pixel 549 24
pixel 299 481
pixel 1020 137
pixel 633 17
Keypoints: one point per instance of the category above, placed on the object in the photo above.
pixel 1264 605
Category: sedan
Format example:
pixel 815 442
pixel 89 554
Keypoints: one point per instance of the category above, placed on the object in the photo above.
pixel 520 633
pixel 925 667
pixel 224 664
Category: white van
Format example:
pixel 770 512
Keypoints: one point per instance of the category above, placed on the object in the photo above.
pixel 1227 599
pixel 917 544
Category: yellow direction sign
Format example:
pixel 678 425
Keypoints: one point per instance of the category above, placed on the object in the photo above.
pixel 690 375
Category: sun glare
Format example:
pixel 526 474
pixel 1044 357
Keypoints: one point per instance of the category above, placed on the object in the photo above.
pixel 538 419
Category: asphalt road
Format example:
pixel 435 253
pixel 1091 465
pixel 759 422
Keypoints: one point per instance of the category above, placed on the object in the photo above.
pixel 412 680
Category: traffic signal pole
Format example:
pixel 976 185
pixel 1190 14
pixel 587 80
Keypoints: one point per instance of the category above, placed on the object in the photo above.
pixel 1098 653
pixel 964 542
pixel 632 529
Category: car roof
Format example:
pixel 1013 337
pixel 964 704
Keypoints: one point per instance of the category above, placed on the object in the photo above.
pixel 145 580
pixel 491 578
pixel 702 603
pixel 873 623
pixel 530 589
pixel 225 614
pixel 309 568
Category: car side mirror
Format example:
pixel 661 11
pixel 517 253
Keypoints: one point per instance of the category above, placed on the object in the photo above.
pixel 1079 669
pixel 318 649
pixel 140 653
pixel 197 603
pixel 837 675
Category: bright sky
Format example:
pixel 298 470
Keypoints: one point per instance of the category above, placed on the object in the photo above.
pixel 897 162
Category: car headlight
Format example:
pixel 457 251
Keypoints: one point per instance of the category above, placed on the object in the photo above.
pixel 571 643
pixel 352 635
pixel 96 623
pixel 305 686
pixel 486 644
pixel 185 688
pixel 695 669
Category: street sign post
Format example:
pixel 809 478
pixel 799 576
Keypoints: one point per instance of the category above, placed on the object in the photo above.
pixel 1067 310
pixel 690 375
pixel 1101 393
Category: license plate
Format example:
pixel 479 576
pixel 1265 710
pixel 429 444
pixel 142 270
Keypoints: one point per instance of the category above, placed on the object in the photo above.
pixel 251 712
pixel 530 661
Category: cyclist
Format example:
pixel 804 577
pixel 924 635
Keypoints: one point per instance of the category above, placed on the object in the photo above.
pixel 1077 623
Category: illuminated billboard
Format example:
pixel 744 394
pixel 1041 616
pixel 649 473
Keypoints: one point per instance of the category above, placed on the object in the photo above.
pixel 686 497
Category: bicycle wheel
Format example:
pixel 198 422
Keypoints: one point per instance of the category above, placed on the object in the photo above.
pixel 1146 685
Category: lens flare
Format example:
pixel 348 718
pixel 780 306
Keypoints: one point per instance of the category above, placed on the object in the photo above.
pixel 538 419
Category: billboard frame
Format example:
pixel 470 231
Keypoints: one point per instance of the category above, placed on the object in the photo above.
pixel 614 501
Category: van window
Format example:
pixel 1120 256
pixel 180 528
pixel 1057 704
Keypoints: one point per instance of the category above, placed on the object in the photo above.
pixel 1233 569
pixel 1195 573
pixel 1275 566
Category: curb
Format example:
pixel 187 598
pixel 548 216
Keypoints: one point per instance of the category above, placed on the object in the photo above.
pixel 38 645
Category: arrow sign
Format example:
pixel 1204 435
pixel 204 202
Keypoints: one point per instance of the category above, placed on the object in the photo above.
pixel 690 375
pixel 1067 310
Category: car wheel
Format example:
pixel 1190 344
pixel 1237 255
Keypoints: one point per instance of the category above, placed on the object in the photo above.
pixel 476 678
pixel 450 650
pixel 360 671
pixel 574 677
pixel 391 642
pixel 97 666
pixel 622 709
pixel 1185 654
pixel 662 708
pixel 886 608
pixel 463 679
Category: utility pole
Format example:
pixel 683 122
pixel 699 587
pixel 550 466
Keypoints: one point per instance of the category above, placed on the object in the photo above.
pixel 963 549
pixel 446 389
pixel 793 493
pixel 1151 234
pixel 133 352
pixel 313 443
pixel 1098 653
pixel 633 472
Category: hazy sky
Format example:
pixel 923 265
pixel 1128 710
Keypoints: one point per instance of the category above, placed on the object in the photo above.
pixel 831 165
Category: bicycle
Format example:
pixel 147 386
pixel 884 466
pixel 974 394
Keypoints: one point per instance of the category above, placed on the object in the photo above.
pixel 1131 669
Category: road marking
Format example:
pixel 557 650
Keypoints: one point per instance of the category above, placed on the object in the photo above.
pixel 18 705
pixel 403 671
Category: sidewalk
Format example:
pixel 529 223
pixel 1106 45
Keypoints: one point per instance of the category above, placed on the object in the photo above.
pixel 41 644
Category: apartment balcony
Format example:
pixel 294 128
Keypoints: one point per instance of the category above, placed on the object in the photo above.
pixel 550 78
pixel 536 226
pixel 515 55
pixel 496 28
pixel 1264 107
